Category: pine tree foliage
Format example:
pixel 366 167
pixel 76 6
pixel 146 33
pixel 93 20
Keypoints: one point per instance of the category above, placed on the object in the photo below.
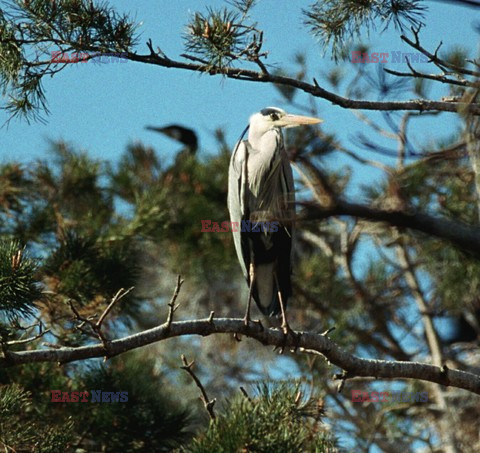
pixel 336 22
pixel 221 37
pixel 66 211
pixel 22 430
pixel 277 417
pixel 153 418
pixel 26 28
pixel 19 289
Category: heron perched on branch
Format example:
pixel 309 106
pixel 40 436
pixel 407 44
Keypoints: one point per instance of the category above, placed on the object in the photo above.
pixel 261 198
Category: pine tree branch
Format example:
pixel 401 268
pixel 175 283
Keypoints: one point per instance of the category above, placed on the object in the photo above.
pixel 434 58
pixel 314 89
pixel 307 341
pixel 437 77
pixel 461 235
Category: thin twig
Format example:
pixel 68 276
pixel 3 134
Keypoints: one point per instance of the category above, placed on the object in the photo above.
pixel 119 295
pixel 210 318
pixel 171 304
pixel 97 331
pixel 434 57
pixel 206 401
pixel 437 77
pixel 27 340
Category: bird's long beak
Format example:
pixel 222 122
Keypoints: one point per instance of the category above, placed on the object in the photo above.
pixel 297 120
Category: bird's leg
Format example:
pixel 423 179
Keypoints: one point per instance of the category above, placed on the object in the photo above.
pixel 285 326
pixel 246 318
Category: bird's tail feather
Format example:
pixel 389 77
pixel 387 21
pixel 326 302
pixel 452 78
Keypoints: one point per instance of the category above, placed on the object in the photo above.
pixel 265 290
pixel 273 309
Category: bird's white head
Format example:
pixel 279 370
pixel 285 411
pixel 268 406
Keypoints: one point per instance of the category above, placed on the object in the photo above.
pixel 274 117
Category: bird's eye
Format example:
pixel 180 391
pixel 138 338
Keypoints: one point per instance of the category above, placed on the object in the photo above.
pixel 274 116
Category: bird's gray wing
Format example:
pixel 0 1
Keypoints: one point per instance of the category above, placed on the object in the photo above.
pixel 288 189
pixel 235 199
pixel 274 199
pixel 268 197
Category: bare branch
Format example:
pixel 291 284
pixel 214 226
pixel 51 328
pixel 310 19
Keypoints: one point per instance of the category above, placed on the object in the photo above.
pixel 437 77
pixel 463 236
pixel 472 134
pixel 317 343
pixel 315 89
pixel 27 340
pixel 39 324
pixel 433 342
pixel 363 161
pixel 434 58
pixel 208 403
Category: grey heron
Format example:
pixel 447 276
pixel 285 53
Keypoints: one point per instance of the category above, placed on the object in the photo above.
pixel 261 189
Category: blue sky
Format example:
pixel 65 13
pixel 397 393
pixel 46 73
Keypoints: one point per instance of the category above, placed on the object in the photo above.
pixel 102 108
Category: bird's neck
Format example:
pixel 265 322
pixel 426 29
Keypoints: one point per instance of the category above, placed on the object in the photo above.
pixel 258 138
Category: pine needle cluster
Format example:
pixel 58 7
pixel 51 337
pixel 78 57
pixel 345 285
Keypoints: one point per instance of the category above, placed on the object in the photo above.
pixel 335 22
pixel 19 289
pixel 31 29
pixel 277 418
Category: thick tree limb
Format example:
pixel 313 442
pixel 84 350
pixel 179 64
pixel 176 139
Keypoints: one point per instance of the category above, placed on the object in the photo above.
pixel 463 236
pixel 307 341
pixel 314 89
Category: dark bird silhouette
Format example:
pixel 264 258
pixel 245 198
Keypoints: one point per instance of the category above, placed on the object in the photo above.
pixel 181 134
